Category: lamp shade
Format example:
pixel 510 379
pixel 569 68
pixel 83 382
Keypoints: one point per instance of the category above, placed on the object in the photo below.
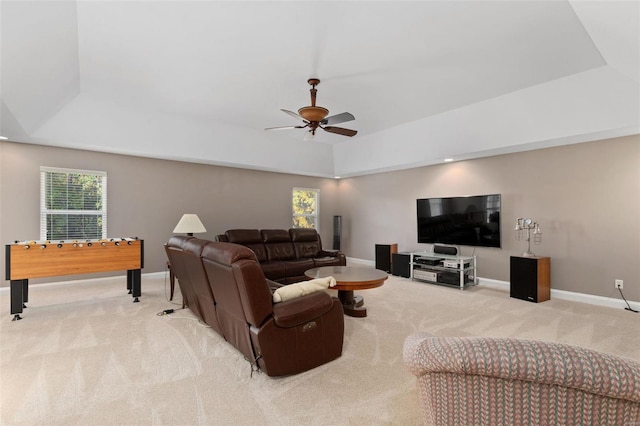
pixel 189 223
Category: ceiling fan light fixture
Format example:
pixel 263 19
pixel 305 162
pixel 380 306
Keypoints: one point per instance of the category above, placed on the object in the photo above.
pixel 313 113
pixel 315 117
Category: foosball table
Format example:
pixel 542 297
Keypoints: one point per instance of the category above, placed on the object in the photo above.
pixel 38 259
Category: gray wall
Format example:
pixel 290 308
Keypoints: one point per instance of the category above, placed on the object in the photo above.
pixel 585 196
pixel 147 197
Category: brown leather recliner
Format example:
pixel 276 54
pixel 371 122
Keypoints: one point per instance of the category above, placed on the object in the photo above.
pixel 280 339
pixel 283 338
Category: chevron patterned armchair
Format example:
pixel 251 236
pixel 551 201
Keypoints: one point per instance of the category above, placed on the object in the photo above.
pixel 502 381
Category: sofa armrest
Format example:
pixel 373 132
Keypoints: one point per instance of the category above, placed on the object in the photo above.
pixel 295 312
pixel 525 360
pixel 273 285
pixel 326 252
pixel 333 253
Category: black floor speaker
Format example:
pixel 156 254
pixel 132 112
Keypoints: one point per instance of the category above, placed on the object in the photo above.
pixel 530 278
pixel 337 232
pixel 401 264
pixel 383 256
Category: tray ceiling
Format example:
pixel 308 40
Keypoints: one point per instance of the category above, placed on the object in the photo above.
pixel 200 80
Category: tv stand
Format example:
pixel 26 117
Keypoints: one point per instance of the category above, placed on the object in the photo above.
pixel 451 270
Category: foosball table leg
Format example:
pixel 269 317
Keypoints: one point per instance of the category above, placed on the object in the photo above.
pixel 134 278
pixel 19 294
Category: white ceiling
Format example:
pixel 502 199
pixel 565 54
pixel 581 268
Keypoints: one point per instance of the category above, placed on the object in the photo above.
pixel 426 80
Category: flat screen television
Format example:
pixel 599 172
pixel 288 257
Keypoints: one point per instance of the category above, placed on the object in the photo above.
pixel 466 221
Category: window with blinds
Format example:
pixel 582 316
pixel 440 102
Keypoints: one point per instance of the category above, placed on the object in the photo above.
pixel 73 204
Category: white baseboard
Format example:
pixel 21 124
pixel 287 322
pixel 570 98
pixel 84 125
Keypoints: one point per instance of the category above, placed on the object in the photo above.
pixel 567 295
pixel 555 294
pixel 484 282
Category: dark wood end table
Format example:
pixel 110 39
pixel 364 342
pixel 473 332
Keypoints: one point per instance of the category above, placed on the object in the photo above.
pixel 348 279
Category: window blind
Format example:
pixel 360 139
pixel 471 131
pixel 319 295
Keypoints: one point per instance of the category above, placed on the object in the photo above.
pixel 73 204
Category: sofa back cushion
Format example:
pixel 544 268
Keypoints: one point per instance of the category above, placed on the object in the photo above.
pixel 277 243
pixel 249 238
pixel 175 254
pixel 241 289
pixel 306 242
pixel 184 254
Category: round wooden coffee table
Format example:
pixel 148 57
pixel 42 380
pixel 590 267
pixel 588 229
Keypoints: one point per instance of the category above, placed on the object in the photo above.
pixel 348 279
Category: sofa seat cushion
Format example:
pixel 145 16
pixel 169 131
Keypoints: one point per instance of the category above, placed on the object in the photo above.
pixel 297 267
pixel 274 270
pixel 302 310
pixel 326 261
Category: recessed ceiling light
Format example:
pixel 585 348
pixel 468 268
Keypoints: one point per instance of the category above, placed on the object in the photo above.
pixel 4 138
pixel 448 160
pixel 336 177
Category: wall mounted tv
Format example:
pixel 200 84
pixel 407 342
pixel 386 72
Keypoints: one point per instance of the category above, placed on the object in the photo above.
pixel 465 221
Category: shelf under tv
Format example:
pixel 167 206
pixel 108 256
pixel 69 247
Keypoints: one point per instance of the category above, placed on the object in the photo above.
pixel 430 267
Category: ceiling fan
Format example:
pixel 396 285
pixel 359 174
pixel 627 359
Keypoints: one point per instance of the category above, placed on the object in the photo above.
pixel 315 117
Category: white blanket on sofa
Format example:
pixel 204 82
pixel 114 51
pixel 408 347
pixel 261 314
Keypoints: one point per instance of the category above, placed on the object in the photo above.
pixel 295 290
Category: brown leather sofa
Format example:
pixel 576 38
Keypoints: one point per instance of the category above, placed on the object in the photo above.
pixel 285 255
pixel 223 284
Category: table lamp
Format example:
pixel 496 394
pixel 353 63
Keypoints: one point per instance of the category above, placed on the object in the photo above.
pixel 189 223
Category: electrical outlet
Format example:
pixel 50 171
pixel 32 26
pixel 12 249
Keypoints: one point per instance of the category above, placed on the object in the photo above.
pixel 618 284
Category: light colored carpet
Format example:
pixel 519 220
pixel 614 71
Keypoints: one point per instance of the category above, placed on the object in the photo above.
pixel 84 354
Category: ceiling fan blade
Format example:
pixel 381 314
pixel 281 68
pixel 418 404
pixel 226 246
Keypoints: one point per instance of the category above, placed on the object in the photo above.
pixel 285 127
pixel 338 118
pixel 340 131
pixel 294 115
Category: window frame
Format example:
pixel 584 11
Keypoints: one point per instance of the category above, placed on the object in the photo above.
pixel 315 215
pixel 44 191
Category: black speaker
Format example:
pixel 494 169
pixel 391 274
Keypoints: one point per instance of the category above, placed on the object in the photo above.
pixel 401 264
pixel 445 250
pixel 383 256
pixel 337 231
pixel 530 278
